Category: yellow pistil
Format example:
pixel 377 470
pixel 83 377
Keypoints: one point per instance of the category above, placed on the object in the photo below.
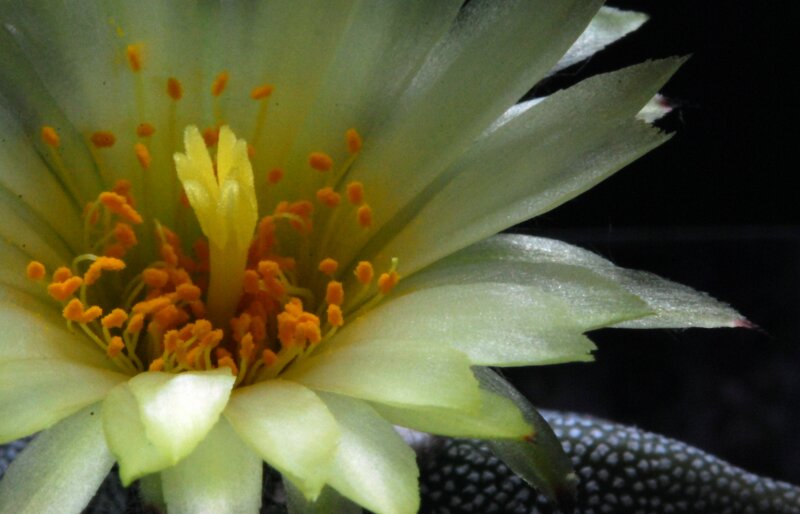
pixel 226 208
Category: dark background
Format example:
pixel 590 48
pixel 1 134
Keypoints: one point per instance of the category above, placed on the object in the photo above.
pixel 713 208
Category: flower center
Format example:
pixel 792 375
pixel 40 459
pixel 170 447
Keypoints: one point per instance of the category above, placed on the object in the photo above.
pixel 245 297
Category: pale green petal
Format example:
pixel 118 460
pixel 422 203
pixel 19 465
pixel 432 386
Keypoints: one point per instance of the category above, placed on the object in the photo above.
pixel 674 305
pixel 35 329
pixel 177 411
pixel 498 418
pixel 539 460
pixel 373 466
pixel 500 323
pixel 60 471
pixel 607 26
pixel 533 163
pixel 289 427
pixel 328 502
pixel 493 54
pixel 126 437
pixel 221 475
pixel 394 371
pixel 42 392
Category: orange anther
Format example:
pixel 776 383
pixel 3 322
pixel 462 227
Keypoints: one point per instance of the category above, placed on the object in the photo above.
pixel 334 294
pixel 168 254
pixel 328 196
pixel 142 155
pixel 115 346
pixel 50 137
pixel 73 310
pixel 103 139
pixel 125 235
pixel 155 278
pixel 261 92
pixel 320 161
pixel 123 188
pixel 353 140
pixel 145 130
pixel 35 270
pixel 62 290
pixel 328 266
pixel 98 266
pixel 150 306
pixel 211 136
pixel 134 55
pixel 246 347
pixel 335 317
pixel 62 274
pixel 218 86
pixel 355 192
pixel 387 281
pixel 115 250
pixel 269 357
pixel 364 272
pixel 364 215
pixel 169 316
pixel 174 88
pixel 91 314
pixel 188 292
pixel 250 283
pixel 135 324
pixel 198 308
pixel 119 205
pixel 274 175
pixel 114 319
pixel 228 362
pixel 156 365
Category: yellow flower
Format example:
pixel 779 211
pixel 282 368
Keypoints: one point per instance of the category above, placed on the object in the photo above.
pixel 251 232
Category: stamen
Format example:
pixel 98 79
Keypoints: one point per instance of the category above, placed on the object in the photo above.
pixel 334 293
pixel 353 140
pixel 320 161
pixel 328 266
pixel 117 204
pixel 274 175
pixel 155 278
pixel 261 92
pixel 335 317
pixel 355 193
pixel 269 357
pixel 364 272
pixel 35 270
pixel 387 281
pixel 61 291
pixel 125 235
pixel 142 155
pixel 115 319
pixel 103 139
pixel 218 86
pixel 364 215
pixel 50 137
pixel 211 136
pixel 328 197
pixel 134 55
pixel 115 347
pixel 74 311
pixel 61 274
pixel 98 266
pixel 174 89
pixel 145 130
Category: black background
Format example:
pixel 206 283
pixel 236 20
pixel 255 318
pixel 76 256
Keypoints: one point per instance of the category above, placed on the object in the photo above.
pixel 714 208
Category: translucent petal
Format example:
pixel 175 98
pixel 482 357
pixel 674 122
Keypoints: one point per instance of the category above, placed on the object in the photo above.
pixel 289 427
pixel 534 163
pixel 510 46
pixel 539 460
pixel 221 475
pixel 127 439
pixel 674 305
pixel 394 371
pixel 373 466
pixel 177 411
pixel 504 324
pixel 33 329
pixel 61 470
pixel 498 418
pixel 43 392
pixel 607 26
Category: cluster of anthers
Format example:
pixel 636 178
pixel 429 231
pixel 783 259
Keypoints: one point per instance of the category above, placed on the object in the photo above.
pixel 159 319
